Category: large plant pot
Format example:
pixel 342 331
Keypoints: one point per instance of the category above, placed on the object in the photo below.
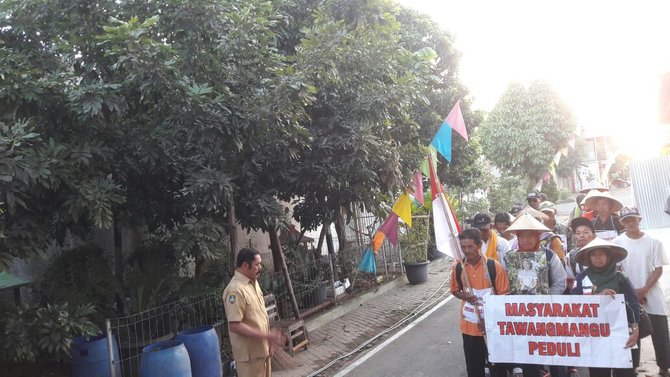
pixel 417 273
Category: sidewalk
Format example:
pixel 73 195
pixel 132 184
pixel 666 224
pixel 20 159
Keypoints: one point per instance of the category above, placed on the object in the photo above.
pixel 339 336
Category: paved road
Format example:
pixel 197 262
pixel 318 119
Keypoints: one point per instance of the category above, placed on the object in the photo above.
pixel 431 348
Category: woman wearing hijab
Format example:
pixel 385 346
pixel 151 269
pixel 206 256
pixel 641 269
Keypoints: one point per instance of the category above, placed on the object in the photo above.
pixel 601 257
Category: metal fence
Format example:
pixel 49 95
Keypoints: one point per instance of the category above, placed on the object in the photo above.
pixel 316 284
pixel 651 186
pixel 134 332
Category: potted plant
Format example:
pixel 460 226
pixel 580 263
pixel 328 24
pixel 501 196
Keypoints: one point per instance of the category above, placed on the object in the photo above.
pixel 414 247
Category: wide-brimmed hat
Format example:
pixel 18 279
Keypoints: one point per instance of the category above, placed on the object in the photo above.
pixel 616 252
pixel 594 195
pixel 581 221
pixel 527 222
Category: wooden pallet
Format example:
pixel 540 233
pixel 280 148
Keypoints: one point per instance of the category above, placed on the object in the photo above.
pixel 294 329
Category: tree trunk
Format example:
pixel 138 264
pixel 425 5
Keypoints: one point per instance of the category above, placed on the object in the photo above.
pixel 341 231
pixel 232 234
pixel 322 236
pixel 118 264
pixel 278 255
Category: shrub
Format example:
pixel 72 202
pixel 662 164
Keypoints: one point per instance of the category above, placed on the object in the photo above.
pixel 44 333
pixel 414 241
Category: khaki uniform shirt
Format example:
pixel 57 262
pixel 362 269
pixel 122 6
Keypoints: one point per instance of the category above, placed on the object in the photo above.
pixel 243 301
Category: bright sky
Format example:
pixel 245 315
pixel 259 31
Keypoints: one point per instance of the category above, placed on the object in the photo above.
pixel 604 58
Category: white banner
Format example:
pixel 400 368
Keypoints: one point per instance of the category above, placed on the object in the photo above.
pixel 584 331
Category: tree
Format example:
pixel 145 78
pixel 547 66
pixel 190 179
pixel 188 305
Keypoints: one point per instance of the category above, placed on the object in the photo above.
pixel 364 142
pixel 525 130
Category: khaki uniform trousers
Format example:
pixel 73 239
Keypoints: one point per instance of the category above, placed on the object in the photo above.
pixel 255 367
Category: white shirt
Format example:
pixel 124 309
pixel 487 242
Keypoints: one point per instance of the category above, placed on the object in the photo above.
pixel 644 256
pixel 502 248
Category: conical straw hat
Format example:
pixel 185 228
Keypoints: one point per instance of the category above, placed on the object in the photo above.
pixel 617 253
pixel 595 186
pixel 534 213
pixel 527 222
pixel 594 195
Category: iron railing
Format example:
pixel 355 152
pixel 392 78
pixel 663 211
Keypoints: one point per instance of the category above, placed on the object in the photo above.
pixel 136 331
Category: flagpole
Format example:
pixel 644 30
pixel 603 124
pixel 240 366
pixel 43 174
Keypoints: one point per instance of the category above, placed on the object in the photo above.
pixel 445 205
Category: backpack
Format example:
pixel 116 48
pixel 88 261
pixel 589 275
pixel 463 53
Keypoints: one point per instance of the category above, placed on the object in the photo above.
pixel 490 264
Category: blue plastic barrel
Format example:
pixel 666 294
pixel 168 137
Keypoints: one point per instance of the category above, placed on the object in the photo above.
pixel 90 358
pixel 202 344
pixel 165 359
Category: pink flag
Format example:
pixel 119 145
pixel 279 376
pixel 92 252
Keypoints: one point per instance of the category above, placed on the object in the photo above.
pixel 455 120
pixel 418 187
pixel 390 228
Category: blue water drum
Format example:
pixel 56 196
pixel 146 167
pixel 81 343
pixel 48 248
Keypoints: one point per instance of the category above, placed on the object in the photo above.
pixel 165 359
pixel 202 344
pixel 90 358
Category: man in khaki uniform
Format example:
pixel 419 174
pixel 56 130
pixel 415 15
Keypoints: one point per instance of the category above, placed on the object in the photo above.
pixel 248 326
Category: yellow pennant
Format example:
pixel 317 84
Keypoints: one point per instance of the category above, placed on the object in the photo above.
pixel 403 208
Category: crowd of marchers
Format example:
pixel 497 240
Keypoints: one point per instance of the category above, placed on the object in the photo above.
pixel 527 251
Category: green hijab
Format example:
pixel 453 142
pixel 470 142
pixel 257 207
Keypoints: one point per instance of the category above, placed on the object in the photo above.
pixel 605 277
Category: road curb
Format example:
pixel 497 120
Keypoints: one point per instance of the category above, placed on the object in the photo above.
pixel 338 311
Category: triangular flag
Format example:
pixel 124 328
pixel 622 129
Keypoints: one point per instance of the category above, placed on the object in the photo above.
pixel 403 208
pixel 367 263
pixel 377 241
pixel 442 141
pixel 456 121
pixel 418 187
pixel 564 151
pixel 571 142
pixel 389 229
pixel 425 169
pixel 445 239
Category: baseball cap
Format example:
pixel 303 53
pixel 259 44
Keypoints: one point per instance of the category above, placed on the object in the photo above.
pixel 516 209
pixel 533 195
pixel 481 220
pixel 629 212
pixel 581 221
pixel 547 206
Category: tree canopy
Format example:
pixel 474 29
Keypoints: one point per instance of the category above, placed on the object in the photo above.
pixel 526 128
pixel 169 115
